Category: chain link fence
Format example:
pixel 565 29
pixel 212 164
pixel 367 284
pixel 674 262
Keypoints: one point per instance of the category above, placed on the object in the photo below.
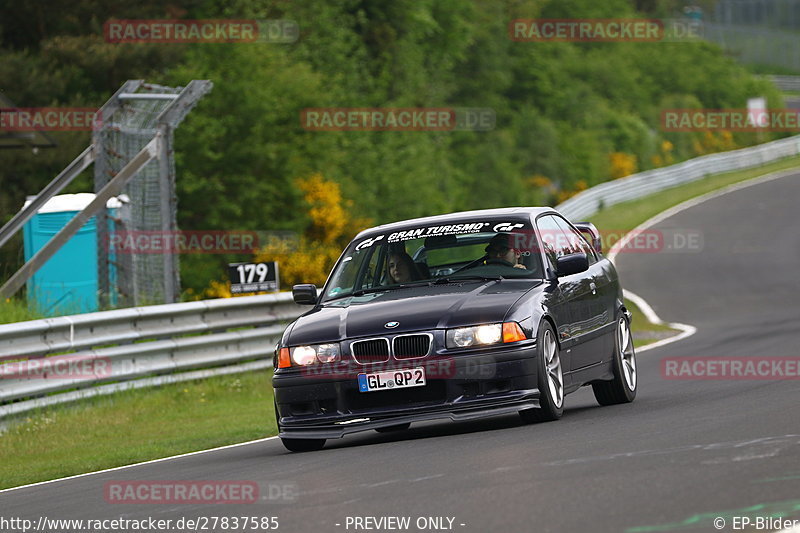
pixel 761 32
pixel 138 113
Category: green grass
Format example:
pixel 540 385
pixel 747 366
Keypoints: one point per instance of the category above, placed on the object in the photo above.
pixel 628 215
pixel 13 310
pixel 146 424
pixel 134 426
pixel 640 324
pixel 623 217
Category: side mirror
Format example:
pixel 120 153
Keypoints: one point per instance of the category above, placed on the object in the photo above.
pixel 305 294
pixel 572 264
pixel 589 229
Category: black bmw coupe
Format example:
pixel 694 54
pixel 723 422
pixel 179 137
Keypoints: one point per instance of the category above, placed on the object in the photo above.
pixel 458 317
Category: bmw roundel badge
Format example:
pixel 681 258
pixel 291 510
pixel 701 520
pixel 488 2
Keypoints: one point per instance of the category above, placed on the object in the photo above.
pixel 391 324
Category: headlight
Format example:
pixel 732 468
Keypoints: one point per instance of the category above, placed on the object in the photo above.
pixel 304 355
pixel 308 355
pixel 327 353
pixel 484 334
pixel 474 335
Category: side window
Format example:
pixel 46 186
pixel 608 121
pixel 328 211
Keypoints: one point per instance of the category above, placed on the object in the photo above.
pixel 372 270
pixel 578 242
pixel 553 239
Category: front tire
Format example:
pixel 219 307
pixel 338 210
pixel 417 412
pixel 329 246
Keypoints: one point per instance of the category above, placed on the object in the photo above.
pixel 621 389
pixel 551 379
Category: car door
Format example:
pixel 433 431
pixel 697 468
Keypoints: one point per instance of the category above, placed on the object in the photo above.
pixel 565 294
pixel 592 303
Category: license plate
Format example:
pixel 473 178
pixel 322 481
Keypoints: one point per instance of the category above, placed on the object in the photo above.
pixel 394 379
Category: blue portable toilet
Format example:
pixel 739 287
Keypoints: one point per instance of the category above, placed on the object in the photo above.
pixel 67 282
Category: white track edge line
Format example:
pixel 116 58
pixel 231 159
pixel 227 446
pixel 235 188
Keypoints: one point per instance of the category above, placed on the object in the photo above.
pixel 686 330
pixel 152 461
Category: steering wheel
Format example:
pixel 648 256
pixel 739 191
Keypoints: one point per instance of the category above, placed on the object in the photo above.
pixel 472 264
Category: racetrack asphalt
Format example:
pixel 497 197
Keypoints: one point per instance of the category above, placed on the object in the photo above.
pixel 682 454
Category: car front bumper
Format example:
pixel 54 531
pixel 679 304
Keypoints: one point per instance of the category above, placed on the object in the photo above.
pixel 492 381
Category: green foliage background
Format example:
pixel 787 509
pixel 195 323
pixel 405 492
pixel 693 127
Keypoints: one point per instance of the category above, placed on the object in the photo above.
pixel 562 108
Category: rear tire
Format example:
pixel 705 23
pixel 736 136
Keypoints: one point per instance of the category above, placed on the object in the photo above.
pixel 621 389
pixel 393 429
pixel 551 379
pixel 303 445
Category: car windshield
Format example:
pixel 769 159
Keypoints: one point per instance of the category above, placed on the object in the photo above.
pixel 436 254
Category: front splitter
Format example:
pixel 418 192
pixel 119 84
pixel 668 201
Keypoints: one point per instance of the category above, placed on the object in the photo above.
pixel 358 423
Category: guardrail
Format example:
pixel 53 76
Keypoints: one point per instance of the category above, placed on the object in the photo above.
pixel 588 202
pixel 163 339
pixel 130 343
pixel 785 83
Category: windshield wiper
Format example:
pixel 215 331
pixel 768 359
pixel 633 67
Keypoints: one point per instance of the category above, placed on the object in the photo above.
pixel 453 279
pixel 370 290
pixel 359 292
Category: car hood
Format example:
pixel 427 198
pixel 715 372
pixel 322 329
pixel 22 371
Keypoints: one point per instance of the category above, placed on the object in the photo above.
pixel 415 308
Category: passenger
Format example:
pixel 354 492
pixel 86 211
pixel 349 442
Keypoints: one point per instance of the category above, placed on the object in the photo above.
pixel 402 268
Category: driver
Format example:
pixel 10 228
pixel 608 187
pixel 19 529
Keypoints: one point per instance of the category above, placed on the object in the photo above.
pixel 499 252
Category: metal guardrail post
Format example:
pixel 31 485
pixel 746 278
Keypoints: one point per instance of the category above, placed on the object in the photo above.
pixel 143 341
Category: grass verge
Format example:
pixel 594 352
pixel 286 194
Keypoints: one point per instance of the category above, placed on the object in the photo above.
pixel 13 310
pixel 136 425
pixel 141 425
pixel 623 217
pixel 628 215
pixel 645 332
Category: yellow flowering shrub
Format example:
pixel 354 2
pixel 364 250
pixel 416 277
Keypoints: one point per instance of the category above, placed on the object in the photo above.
pixel 622 164
pixel 711 142
pixel 539 181
pixel 310 258
pixel 328 219
pixel 664 156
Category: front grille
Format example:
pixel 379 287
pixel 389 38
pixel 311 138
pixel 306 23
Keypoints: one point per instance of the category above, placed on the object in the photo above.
pixel 371 351
pixel 410 346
